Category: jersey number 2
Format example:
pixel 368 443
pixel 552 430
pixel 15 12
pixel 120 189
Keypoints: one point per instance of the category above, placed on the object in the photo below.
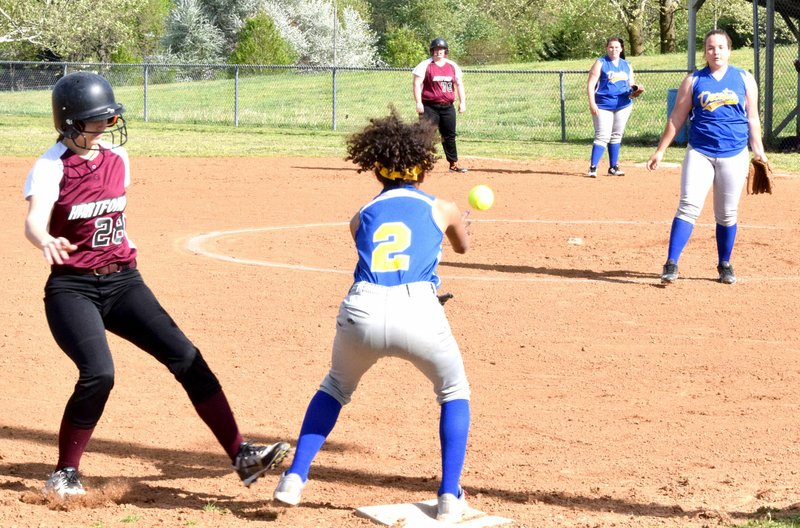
pixel 391 239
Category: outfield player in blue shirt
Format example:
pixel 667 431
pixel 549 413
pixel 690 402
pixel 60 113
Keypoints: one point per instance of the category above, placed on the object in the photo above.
pixel 392 308
pixel 721 102
pixel 610 88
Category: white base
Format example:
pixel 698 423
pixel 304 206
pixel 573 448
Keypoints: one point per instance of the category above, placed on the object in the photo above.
pixel 423 515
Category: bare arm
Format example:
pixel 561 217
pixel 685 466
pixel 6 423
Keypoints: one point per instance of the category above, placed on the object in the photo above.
pixel 462 97
pixel 417 87
pixel 55 250
pixel 753 121
pixel 594 76
pixel 454 223
pixel 355 222
pixel 683 104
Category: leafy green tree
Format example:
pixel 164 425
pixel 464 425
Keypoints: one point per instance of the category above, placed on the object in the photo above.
pixel 261 43
pixel 69 29
pixel 403 47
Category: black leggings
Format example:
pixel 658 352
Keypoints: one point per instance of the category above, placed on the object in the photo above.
pixel 80 308
pixel 444 116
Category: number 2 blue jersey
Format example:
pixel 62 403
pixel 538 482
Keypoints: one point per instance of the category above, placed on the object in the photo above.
pixel 398 241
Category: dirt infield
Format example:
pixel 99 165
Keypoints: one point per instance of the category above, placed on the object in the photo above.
pixel 600 398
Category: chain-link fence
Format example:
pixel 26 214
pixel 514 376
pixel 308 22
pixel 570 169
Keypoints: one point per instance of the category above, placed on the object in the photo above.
pixel 785 100
pixel 502 105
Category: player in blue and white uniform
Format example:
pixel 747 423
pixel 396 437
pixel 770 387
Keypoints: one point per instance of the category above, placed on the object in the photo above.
pixel 392 308
pixel 77 198
pixel 721 102
pixel 610 89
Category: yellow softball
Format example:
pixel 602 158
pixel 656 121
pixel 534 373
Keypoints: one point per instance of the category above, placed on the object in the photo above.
pixel 481 197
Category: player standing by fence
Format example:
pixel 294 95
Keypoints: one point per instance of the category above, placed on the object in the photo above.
pixel 610 88
pixel 436 82
pixel 76 216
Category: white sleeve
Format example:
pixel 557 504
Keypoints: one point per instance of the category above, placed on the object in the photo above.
pixel 124 155
pixel 419 70
pixel 459 73
pixel 44 178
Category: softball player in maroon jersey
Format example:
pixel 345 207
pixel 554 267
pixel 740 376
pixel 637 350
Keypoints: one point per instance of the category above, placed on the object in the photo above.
pixel 76 217
pixel 436 82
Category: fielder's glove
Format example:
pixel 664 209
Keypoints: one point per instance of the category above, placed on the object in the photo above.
pixel 636 91
pixel 443 298
pixel 759 179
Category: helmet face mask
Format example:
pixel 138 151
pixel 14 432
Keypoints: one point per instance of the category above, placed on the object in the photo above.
pixel 83 97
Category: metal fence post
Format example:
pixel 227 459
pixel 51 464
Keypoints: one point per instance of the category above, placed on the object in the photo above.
pixel 236 96
pixel 563 107
pixel 146 82
pixel 333 116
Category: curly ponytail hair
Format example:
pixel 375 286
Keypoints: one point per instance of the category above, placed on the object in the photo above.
pixel 396 152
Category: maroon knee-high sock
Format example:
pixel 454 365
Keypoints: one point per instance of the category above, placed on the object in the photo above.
pixel 218 416
pixel 71 444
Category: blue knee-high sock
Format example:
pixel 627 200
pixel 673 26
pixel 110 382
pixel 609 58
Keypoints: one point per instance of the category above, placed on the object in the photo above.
pixel 726 236
pixel 613 153
pixel 597 153
pixel 321 415
pixel 678 237
pixel 453 432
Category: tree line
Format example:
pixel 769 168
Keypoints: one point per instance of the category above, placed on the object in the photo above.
pixel 355 32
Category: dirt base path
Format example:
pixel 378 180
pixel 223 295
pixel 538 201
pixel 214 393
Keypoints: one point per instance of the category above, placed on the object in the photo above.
pixel 600 398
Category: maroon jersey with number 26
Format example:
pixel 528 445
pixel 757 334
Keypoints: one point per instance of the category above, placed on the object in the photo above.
pixel 89 203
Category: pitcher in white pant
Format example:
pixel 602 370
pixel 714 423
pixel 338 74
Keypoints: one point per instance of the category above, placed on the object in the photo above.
pixel 721 102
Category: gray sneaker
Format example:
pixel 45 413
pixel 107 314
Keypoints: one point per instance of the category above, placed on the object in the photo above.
pixel 254 460
pixel 615 171
pixel 64 483
pixel 670 272
pixel 592 171
pixel 726 275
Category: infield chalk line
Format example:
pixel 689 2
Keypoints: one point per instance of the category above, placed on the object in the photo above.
pixel 196 245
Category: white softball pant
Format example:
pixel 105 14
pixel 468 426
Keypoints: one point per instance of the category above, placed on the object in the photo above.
pixel 609 125
pixel 700 172
pixel 405 321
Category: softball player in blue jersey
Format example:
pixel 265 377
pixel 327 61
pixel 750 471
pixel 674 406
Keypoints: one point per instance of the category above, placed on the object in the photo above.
pixel 610 88
pixel 721 102
pixel 392 308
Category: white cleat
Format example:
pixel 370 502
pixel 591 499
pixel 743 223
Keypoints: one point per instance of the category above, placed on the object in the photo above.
pixel 289 489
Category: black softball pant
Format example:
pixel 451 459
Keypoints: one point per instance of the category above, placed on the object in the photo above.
pixel 79 310
pixel 444 116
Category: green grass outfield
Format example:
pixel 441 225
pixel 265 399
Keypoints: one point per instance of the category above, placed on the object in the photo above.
pixel 513 116
pixel 30 137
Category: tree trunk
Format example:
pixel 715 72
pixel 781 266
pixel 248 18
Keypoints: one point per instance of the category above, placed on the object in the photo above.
pixel 632 14
pixel 635 37
pixel 666 20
